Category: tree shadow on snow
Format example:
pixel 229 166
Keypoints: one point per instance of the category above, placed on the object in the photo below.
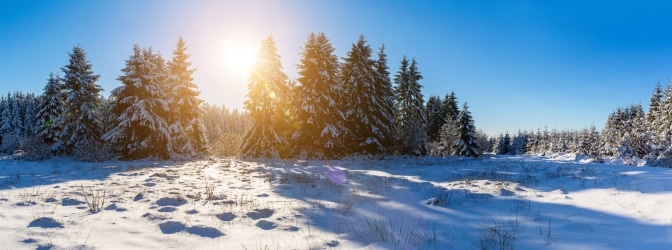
pixel 402 193
pixel 22 174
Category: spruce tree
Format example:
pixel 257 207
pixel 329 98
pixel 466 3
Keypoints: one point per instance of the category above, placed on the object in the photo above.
pixel 503 144
pixel 141 105
pixel 519 144
pixel 320 120
pixel 654 105
pixel 268 90
pixel 466 144
pixel 79 122
pixel 30 123
pixel 435 118
pixel 50 109
pixel 450 107
pixel 186 115
pixel 654 121
pixel 449 112
pixel 366 113
pixel 384 94
pixel 410 116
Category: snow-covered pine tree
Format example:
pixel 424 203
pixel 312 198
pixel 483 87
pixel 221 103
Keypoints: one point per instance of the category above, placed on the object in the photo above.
pixel 519 143
pixel 435 117
pixel 410 115
pixel 466 144
pixel 141 105
pixel 449 112
pixel 503 145
pixel 653 121
pixel 30 122
pixel 186 114
pixel 532 142
pixel 79 122
pixel 267 102
pixel 384 93
pixel 639 136
pixel 18 113
pixel 655 105
pixel 663 124
pixel 365 113
pixel 319 118
pixel 450 106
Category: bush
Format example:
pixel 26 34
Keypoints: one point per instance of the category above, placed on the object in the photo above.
pixel 227 145
pixel 35 149
pixel 92 150
pixel 10 143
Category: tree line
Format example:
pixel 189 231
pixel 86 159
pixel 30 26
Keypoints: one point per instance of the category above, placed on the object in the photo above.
pixel 629 134
pixel 350 106
pixel 337 106
pixel 155 113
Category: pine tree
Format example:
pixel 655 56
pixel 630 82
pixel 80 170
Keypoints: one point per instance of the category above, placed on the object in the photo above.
pixel 366 116
pixel 319 127
pixel 141 105
pixel 466 144
pixel 384 94
pixel 50 109
pixel 410 116
pixel 655 105
pixel 30 123
pixel 18 113
pixel 79 122
pixel 654 121
pixel 186 115
pixel 503 145
pixel 450 107
pixel 268 106
pixel 435 118
pixel 519 143
pixel 449 113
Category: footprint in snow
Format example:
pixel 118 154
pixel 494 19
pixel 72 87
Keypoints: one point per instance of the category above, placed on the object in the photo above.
pixel 260 213
pixel 266 225
pixel 71 202
pixel 114 207
pixel 45 222
pixel 207 232
pixel 228 216
pixel 171 227
pixel 170 201
pixel 167 209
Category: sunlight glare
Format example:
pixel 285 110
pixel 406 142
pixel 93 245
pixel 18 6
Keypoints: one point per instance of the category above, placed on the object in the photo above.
pixel 239 56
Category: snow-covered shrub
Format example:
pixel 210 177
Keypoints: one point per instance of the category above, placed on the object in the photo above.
pixel 227 144
pixel 35 149
pixel 10 143
pixel 92 150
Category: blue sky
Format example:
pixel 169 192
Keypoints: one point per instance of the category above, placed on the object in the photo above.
pixel 518 64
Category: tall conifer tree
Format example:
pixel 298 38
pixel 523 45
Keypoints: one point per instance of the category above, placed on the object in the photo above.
pixel 365 109
pixel 319 127
pixel 50 109
pixel 80 123
pixel 267 103
pixel 186 114
pixel 140 105
pixel 466 144
pixel 410 116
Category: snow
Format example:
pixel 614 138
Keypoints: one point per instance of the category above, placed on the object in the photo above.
pixel 493 202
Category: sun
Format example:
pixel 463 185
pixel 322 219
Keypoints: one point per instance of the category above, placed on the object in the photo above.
pixel 239 56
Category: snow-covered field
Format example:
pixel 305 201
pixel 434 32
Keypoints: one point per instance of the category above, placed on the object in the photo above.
pixel 395 203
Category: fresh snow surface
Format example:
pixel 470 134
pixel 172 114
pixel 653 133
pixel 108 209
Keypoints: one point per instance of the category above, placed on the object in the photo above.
pixel 491 202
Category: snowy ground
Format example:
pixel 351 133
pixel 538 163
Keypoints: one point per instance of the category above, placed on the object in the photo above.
pixel 396 203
